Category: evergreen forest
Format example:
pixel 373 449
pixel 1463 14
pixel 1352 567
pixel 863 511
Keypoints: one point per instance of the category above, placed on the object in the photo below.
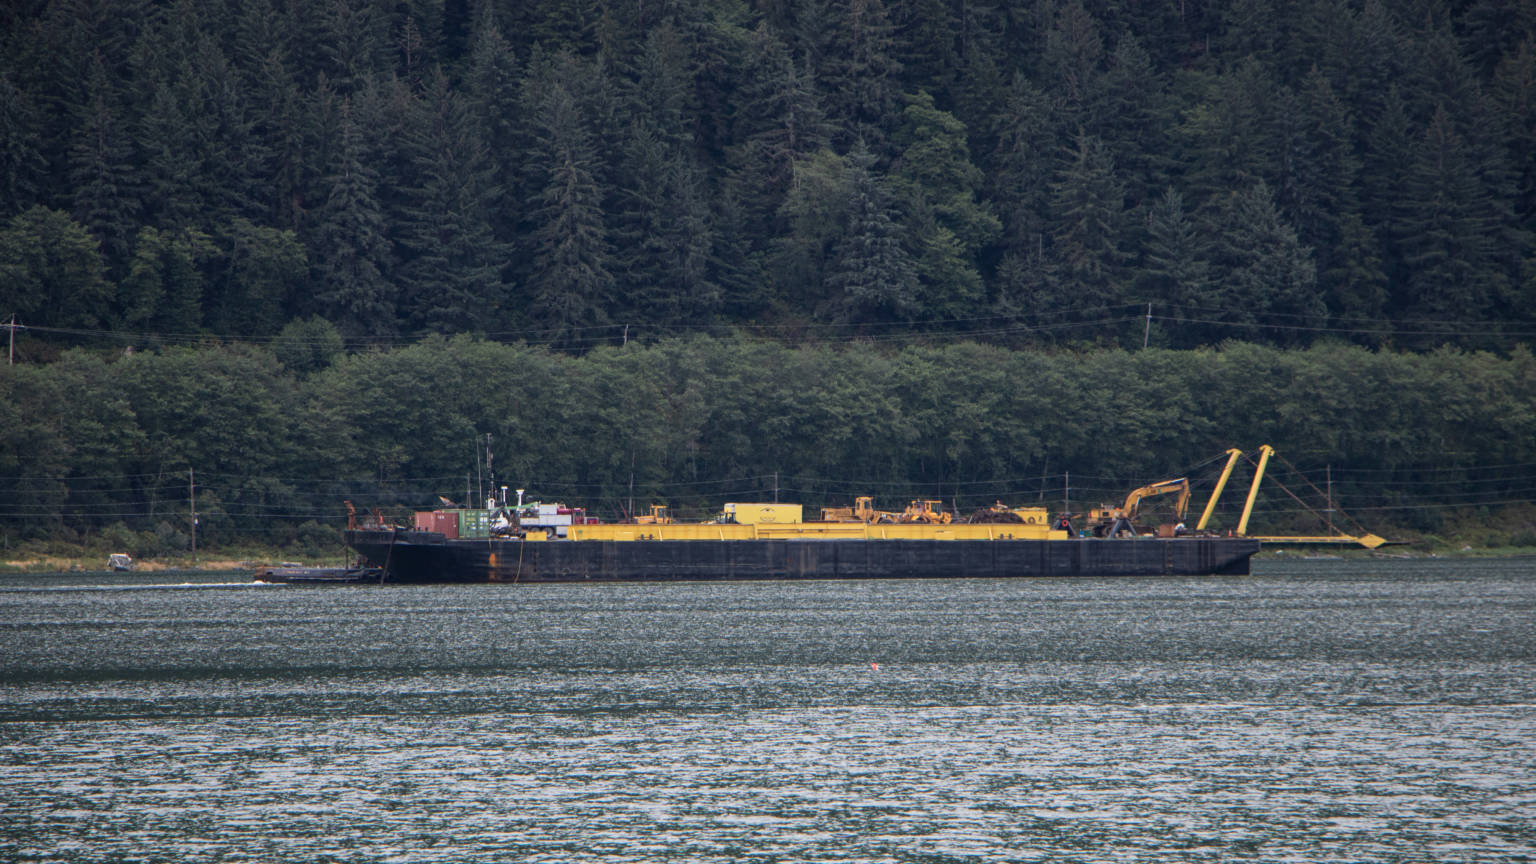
pixel 705 250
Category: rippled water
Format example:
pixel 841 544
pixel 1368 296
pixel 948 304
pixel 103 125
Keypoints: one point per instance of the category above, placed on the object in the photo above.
pixel 1317 711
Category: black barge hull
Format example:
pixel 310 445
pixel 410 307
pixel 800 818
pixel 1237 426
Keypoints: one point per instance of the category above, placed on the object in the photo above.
pixel 426 557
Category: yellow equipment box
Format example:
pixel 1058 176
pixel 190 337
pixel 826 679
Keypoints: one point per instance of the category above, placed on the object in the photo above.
pixel 757 514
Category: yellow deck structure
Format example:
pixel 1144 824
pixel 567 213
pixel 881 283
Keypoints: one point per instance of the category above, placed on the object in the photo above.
pixel 814 531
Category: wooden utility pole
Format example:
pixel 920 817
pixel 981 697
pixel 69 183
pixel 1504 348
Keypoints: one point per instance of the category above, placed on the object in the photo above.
pixel 1329 511
pixel 192 497
pixel 11 360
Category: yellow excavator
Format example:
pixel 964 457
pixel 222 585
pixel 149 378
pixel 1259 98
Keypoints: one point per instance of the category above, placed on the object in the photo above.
pixel 1110 521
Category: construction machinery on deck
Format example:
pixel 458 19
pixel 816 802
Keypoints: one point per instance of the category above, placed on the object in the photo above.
pixel 1109 521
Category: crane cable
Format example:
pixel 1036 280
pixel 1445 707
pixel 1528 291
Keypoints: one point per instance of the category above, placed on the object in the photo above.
pixel 1305 505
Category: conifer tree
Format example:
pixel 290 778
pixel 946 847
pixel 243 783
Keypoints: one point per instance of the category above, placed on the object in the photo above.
pixel 1132 118
pixel 1514 90
pixel 1224 136
pixel 450 264
pixel 1074 56
pixel 352 253
pixel 1390 147
pixel 780 121
pixel 491 86
pixel 1262 274
pixel 1020 169
pixel 570 285
pixel 263 270
pixel 354 40
pixel 1444 236
pixel 22 165
pixel 815 216
pixel 859 76
pixel 872 276
pixel 101 173
pixel 1088 205
pixel 925 41
pixel 1176 266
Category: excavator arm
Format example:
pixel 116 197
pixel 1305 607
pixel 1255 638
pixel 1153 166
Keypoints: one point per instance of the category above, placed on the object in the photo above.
pixel 1166 487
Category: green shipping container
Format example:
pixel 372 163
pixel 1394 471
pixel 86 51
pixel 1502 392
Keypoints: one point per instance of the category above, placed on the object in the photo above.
pixel 474 523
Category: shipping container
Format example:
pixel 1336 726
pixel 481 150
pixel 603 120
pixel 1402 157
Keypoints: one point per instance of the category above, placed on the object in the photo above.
pixel 445 522
pixel 474 523
pixel 753 514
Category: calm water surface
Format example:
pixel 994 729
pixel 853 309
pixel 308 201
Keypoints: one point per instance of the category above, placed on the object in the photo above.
pixel 1317 711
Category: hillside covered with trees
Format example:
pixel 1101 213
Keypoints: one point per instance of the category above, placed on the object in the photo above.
pixel 563 169
pixel 684 251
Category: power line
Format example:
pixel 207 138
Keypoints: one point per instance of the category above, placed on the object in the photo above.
pixel 971 327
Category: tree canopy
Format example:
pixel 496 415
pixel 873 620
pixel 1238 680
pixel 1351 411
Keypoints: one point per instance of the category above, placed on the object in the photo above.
pixel 562 170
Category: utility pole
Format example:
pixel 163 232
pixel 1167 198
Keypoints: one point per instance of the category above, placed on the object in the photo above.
pixel 192 497
pixel 1147 332
pixel 1066 492
pixel 1329 511
pixel 775 487
pixel 12 327
pixel 490 472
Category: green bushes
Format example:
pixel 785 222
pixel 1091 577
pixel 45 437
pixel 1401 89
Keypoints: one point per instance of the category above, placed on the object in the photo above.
pixel 98 444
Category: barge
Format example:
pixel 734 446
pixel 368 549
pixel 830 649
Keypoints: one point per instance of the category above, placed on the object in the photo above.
pixel 760 541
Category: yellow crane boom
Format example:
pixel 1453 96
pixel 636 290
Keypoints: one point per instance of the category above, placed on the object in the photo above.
pixel 1210 506
pixel 1368 540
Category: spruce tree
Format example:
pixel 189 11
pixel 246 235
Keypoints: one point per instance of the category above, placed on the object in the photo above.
pixel 491 85
pixel 1019 171
pixel 570 285
pixel 1088 209
pixel 264 269
pixel 22 165
pixel 779 122
pixel 102 175
pixel 165 285
pixel 1176 268
pixel 449 262
pixel 1262 274
pixel 814 215
pixel 860 76
pixel 352 253
pixel 1444 236
pixel 872 276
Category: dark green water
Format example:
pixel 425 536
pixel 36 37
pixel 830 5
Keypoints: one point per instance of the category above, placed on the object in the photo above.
pixel 1317 711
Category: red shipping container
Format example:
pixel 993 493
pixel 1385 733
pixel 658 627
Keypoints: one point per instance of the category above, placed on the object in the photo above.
pixel 435 520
